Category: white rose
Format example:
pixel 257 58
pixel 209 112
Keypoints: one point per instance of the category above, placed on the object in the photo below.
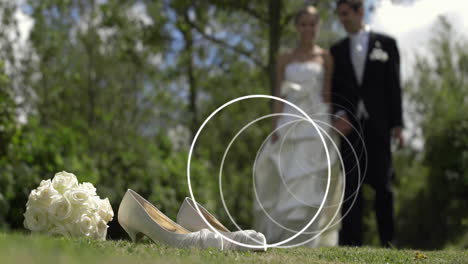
pixel 33 198
pixel 77 196
pixel 89 187
pixel 60 208
pixel 105 210
pixel 58 229
pixel 46 189
pixel 35 219
pixel 46 183
pixel 63 181
pixel 42 196
pixel 71 220
pixel 86 226
pixel 75 214
pixel 101 231
pixel 92 205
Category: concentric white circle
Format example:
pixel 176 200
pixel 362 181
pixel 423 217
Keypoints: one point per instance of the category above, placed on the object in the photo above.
pixel 224 158
pixel 190 157
pixel 319 130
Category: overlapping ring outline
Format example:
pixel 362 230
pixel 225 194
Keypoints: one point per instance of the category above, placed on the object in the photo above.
pixel 300 118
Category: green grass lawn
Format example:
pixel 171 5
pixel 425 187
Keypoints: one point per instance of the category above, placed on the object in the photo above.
pixel 20 248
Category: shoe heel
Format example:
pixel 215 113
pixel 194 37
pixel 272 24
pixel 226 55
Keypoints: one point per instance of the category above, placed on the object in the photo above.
pixel 139 218
pixel 135 236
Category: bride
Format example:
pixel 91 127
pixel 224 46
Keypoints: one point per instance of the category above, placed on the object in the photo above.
pixel 291 170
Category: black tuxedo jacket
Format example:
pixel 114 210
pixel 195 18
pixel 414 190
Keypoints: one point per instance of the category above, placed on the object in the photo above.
pixel 380 89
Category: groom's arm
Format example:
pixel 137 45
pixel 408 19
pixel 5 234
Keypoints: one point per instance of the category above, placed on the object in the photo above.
pixel 396 118
pixel 336 86
pixel 339 110
pixel 396 112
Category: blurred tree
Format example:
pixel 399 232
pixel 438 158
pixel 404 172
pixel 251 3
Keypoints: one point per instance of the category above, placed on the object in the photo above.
pixel 7 132
pixel 229 49
pixel 8 107
pixel 253 30
pixel 434 208
pixel 105 82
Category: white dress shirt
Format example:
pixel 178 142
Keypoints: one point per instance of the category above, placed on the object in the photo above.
pixel 359 43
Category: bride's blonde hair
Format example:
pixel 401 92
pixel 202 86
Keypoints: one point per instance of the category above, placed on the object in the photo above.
pixel 309 9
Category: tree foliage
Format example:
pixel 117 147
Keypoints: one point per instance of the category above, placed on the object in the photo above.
pixel 433 210
pixel 113 91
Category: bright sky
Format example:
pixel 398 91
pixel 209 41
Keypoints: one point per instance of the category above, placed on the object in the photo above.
pixel 412 24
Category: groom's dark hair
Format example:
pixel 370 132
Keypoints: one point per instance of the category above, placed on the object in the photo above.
pixel 354 4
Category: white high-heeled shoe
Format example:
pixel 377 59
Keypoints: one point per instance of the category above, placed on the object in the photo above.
pixel 139 217
pixel 189 218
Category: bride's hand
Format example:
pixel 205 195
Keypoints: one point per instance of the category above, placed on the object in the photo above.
pixel 342 125
pixel 398 136
pixel 274 137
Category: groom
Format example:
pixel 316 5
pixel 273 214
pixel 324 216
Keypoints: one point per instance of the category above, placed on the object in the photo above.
pixel 367 93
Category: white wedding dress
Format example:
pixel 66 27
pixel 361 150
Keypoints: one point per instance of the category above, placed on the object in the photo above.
pixel 291 175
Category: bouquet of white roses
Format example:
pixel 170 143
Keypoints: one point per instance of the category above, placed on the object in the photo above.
pixel 62 206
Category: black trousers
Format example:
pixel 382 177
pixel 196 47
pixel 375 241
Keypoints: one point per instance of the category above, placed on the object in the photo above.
pixel 376 170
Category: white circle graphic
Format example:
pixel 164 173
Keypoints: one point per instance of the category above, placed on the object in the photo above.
pixel 319 130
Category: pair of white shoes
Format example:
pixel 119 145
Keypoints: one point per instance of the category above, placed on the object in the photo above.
pixel 139 217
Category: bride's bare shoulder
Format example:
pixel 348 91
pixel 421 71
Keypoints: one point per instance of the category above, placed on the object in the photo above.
pixel 286 57
pixel 321 51
pixel 324 54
